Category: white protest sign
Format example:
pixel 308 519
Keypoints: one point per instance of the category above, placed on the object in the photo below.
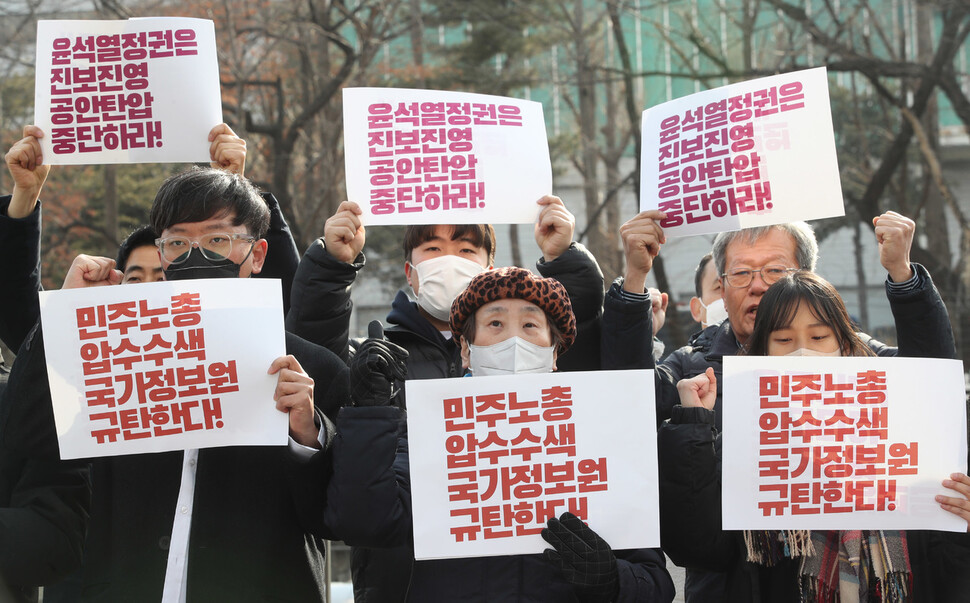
pixel 164 366
pixel 135 91
pixel 756 153
pixel 434 157
pixel 841 443
pixel 492 458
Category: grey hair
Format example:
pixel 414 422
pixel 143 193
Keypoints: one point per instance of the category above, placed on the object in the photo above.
pixel 806 247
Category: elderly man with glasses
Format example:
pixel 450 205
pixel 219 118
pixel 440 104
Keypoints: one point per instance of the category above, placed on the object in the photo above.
pixel 748 262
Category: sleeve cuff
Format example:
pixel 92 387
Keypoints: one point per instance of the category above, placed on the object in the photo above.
pixel 691 414
pixel 305 452
pixel 913 284
pixel 628 296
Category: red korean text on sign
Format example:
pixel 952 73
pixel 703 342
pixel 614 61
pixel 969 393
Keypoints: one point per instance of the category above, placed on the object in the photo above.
pixel 421 155
pixel 145 370
pixel 708 161
pixel 512 463
pixel 100 98
pixel 823 445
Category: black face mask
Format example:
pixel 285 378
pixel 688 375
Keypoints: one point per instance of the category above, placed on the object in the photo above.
pixel 199 266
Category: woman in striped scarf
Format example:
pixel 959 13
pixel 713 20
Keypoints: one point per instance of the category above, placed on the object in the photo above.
pixel 803 315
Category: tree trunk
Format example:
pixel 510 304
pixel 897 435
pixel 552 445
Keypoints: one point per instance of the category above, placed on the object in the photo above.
pixel 111 203
pixel 586 90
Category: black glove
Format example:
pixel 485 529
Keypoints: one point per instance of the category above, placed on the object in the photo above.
pixel 585 559
pixel 375 367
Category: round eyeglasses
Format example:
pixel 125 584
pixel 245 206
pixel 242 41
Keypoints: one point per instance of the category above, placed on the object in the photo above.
pixel 214 246
pixel 742 277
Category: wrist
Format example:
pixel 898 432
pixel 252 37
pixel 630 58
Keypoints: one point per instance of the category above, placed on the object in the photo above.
pixel 337 251
pixel 551 253
pixel 902 273
pixel 23 202
pixel 635 281
pixel 307 435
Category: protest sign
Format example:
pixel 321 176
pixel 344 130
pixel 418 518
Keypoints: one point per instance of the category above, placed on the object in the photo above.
pixel 135 91
pixel 492 458
pixel 164 366
pixel 841 443
pixel 433 157
pixel 756 153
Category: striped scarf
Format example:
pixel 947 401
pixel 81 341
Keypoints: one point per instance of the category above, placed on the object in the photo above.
pixel 852 566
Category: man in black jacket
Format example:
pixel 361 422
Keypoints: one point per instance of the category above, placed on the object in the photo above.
pixel 440 260
pixel 757 257
pixel 233 523
pixel 748 262
pixel 44 504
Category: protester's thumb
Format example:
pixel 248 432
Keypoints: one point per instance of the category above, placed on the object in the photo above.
pixel 375 330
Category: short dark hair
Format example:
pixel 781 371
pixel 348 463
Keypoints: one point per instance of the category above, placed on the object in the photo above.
pixel 780 303
pixel 481 235
pixel 142 236
pixel 699 275
pixel 203 193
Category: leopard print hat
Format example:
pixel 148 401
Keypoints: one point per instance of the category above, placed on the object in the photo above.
pixel 517 283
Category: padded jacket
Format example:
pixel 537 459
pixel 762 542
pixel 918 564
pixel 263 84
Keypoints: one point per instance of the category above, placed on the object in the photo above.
pixel 689 446
pixel 320 312
pixel 369 499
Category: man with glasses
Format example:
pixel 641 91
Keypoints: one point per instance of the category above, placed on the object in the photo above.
pixel 748 262
pixel 218 524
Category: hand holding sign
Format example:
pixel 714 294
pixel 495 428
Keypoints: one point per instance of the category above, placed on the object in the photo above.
pixel 375 367
pixel 344 233
pixel 25 162
pixel 294 396
pixel 554 227
pixel 227 151
pixel 91 271
pixel 956 505
pixel 700 390
pixel 585 559
pixel 642 237
pixel 894 234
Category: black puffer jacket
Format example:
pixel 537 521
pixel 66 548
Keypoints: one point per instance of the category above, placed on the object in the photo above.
pixel 320 312
pixel 321 307
pixel 369 502
pixel 689 446
pixel 922 329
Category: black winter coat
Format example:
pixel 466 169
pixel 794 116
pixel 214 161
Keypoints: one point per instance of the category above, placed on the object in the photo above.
pixel 258 510
pixel 320 312
pixel 922 329
pixel 375 510
pixel 690 479
pixel 321 307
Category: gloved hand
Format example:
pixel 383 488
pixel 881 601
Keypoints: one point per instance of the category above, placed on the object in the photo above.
pixel 585 559
pixel 375 367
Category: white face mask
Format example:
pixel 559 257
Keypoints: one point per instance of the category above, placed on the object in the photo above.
pixel 440 280
pixel 808 352
pixel 716 313
pixel 509 357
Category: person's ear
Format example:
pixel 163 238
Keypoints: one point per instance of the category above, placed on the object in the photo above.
pixel 465 353
pixel 408 271
pixel 259 255
pixel 555 357
pixel 695 309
